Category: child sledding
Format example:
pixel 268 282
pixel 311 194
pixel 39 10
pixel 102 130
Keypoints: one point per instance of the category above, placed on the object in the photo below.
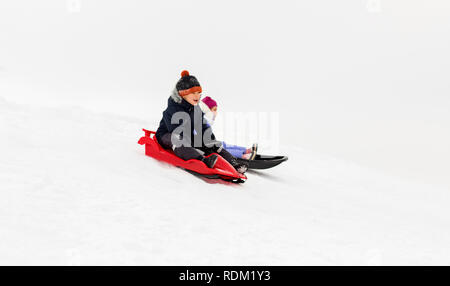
pixel 209 108
pixel 182 128
pixel 186 140
pixel 249 156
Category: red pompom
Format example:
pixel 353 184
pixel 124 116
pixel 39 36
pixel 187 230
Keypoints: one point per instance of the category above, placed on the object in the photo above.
pixel 184 73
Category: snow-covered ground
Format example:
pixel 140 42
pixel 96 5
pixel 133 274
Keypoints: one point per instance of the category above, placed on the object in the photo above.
pixel 77 189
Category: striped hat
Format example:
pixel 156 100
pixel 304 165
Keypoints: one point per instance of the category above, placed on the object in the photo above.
pixel 187 84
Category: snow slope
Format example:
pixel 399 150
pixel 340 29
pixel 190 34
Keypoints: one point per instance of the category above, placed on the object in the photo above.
pixel 76 188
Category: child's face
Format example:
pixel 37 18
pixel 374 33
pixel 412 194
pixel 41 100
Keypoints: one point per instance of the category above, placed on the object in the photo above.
pixel 193 98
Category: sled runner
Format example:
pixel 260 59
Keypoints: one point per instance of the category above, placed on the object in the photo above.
pixel 263 161
pixel 222 170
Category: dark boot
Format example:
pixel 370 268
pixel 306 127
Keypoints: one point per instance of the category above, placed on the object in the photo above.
pixel 240 167
pixel 254 151
pixel 210 161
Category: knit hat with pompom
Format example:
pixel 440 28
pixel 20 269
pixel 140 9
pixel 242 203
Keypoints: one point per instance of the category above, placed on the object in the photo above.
pixel 187 84
pixel 209 102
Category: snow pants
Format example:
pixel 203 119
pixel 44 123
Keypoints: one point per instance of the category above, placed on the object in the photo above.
pixel 236 151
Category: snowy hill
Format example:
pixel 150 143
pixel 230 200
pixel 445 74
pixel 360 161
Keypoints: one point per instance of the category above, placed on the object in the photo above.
pixel 76 188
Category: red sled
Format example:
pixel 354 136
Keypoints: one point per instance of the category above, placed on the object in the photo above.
pixel 222 170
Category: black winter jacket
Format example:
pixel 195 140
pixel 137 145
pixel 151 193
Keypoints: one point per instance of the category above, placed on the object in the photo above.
pixel 176 104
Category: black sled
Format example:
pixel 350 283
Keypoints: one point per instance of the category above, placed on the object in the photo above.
pixel 263 161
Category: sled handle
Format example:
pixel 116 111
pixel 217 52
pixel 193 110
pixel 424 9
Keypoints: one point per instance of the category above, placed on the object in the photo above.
pixel 148 132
